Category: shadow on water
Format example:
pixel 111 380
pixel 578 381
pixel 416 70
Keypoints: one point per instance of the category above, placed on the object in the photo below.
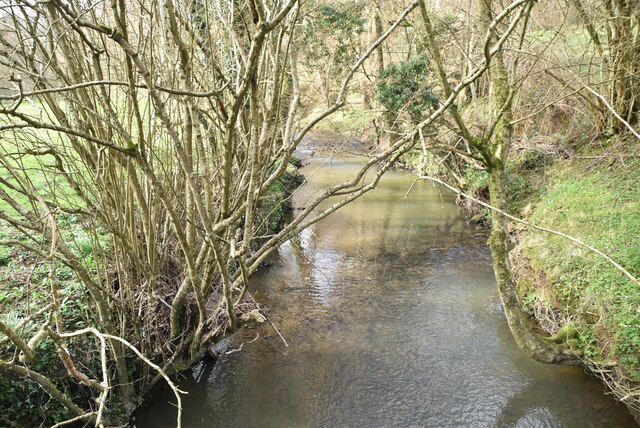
pixel 392 315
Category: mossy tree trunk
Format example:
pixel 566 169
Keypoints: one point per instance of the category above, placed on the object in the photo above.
pixel 491 149
pixel 495 151
pixel 536 346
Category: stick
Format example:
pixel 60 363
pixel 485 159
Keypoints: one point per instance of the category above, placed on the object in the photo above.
pixel 242 345
pixel 274 327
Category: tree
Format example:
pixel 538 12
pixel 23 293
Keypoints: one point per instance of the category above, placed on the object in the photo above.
pixel 330 42
pixel 403 88
pixel 613 28
pixel 142 165
pixel 491 150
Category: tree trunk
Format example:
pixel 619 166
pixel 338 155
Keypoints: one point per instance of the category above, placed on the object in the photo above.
pixel 377 32
pixel 534 345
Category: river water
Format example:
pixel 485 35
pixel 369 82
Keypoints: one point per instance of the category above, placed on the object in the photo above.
pixel 391 314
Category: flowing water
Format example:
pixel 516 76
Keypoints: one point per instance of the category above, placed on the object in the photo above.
pixel 391 313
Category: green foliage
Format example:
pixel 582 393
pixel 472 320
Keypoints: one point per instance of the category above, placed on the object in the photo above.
pixel 25 279
pixel 330 36
pixel 274 204
pixel 413 159
pixel 588 343
pixel 5 255
pixel 342 16
pixel 477 180
pixel 36 407
pixel 403 87
pixel 528 302
pixel 533 160
pixel 628 344
pixel 519 189
pixel 443 25
pixel 525 178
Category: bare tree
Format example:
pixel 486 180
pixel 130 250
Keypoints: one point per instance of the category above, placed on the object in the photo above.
pixel 161 127
pixel 614 29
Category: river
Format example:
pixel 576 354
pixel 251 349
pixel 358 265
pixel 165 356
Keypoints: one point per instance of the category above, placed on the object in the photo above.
pixel 391 314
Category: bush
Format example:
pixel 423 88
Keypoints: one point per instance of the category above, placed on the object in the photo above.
pixel 403 87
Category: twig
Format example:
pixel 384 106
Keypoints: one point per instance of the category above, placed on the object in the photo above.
pixel 26 320
pixel 17 341
pixel 406 195
pixel 162 373
pixel 164 302
pixel 73 420
pixel 102 399
pixel 82 85
pixel 274 327
pixel 242 345
pixel 613 111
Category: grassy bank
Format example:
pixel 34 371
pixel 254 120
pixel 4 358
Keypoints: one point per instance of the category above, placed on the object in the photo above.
pixel 593 196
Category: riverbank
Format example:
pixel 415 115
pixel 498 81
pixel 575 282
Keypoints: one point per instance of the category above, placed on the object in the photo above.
pixel 593 195
pixel 24 279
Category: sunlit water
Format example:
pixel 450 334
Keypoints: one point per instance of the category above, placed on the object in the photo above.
pixel 392 318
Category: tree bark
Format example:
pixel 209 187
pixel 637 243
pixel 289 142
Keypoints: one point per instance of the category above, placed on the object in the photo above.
pixel 533 344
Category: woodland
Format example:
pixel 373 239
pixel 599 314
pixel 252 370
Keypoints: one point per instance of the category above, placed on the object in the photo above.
pixel 146 163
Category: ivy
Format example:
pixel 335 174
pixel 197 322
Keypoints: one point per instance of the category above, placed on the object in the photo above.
pixel 403 87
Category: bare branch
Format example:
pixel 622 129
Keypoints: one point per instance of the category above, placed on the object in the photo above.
pixel 533 226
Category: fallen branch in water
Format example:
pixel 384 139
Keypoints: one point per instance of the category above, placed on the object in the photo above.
pixel 274 327
pixel 242 345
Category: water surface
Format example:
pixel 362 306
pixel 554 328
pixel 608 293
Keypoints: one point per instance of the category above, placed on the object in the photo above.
pixel 392 318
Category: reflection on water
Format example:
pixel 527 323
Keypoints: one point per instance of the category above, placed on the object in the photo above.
pixel 391 313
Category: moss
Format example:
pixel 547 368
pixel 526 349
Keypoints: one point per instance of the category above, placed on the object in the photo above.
pixel 275 204
pixel 567 334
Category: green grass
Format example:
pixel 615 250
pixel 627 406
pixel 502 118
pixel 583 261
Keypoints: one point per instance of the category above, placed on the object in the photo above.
pixel 572 42
pixel 599 204
pixel 36 171
pixel 352 121
pixel 24 278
